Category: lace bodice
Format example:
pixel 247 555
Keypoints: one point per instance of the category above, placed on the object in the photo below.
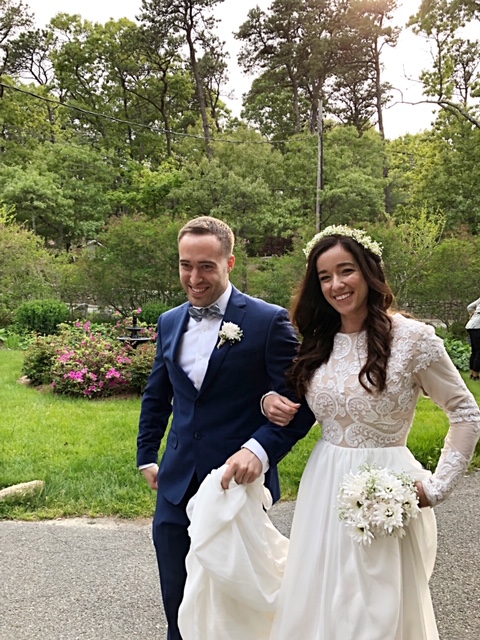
pixel 352 417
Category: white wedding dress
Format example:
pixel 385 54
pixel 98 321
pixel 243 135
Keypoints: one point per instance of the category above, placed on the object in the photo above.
pixel 241 582
pixel 333 587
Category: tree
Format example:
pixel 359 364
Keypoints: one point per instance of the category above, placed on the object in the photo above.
pixel 194 20
pixel 438 170
pixel 61 193
pixel 450 281
pixel 353 181
pixel 27 270
pixel 453 81
pixel 14 17
pixel 135 262
pixel 409 244
pixel 294 47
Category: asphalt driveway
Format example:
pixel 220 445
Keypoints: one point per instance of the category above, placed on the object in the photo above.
pixel 97 579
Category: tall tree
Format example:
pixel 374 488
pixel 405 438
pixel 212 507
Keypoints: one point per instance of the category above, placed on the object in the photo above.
pixel 371 27
pixel 293 45
pixel 14 17
pixel 452 82
pixel 194 20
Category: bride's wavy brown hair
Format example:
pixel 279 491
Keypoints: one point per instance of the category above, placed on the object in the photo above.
pixel 318 322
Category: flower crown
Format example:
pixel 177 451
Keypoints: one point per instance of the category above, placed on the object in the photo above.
pixel 342 230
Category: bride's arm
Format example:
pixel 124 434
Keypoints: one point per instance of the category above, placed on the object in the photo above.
pixel 441 381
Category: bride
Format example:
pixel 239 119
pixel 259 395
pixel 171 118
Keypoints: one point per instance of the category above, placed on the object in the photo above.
pixel 362 368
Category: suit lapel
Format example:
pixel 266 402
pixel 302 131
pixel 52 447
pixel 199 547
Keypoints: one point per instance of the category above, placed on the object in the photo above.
pixel 178 330
pixel 235 312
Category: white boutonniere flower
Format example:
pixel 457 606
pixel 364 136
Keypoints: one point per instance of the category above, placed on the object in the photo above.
pixel 230 332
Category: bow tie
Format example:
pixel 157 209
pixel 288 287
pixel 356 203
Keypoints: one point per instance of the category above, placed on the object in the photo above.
pixel 198 313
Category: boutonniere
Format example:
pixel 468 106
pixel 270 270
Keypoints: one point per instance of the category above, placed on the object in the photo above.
pixel 230 332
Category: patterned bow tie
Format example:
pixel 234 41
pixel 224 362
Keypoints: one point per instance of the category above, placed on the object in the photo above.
pixel 198 313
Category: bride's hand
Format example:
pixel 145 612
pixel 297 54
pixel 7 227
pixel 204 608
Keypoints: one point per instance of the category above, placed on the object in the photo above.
pixel 279 409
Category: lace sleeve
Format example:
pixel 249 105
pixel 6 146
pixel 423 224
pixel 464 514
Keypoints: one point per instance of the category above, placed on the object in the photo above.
pixel 441 381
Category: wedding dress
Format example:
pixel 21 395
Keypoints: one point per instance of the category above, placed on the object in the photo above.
pixel 235 564
pixel 242 584
pixel 333 587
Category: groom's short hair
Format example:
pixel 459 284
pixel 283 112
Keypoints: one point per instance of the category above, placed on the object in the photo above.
pixel 205 225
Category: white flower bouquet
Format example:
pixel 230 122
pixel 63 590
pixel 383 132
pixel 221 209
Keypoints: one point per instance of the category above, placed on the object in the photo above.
pixel 377 502
pixel 230 332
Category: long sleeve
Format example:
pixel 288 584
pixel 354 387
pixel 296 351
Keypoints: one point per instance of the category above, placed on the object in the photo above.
pixel 473 306
pixel 441 381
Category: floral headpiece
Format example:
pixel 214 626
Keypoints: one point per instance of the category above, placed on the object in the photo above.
pixel 342 230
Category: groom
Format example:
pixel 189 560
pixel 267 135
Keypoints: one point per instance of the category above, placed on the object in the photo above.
pixel 214 391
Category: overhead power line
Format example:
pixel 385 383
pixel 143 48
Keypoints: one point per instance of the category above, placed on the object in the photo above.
pixel 154 128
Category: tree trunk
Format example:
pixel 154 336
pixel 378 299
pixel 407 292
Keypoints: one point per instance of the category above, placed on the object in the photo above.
pixel 200 93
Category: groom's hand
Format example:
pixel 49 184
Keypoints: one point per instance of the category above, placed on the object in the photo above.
pixel 151 476
pixel 244 466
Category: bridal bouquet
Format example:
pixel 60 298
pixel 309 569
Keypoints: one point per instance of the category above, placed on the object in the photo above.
pixel 377 502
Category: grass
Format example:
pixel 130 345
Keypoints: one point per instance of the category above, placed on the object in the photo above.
pixel 84 450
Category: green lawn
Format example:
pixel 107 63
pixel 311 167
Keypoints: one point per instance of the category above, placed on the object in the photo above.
pixel 84 450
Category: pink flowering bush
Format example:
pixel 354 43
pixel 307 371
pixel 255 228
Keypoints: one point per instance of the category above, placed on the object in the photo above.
pixel 90 361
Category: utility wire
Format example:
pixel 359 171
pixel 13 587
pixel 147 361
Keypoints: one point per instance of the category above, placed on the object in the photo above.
pixel 153 128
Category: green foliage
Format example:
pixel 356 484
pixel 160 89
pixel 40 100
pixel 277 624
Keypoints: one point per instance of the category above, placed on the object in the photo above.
pixel 141 362
pixel 11 339
pixel 151 311
pixel 61 191
pixel 27 270
pixel 275 279
pixel 41 316
pixel 448 282
pixel 136 262
pixel 39 358
pixel 409 242
pixel 459 350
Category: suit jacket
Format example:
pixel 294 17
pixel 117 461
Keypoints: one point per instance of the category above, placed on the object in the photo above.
pixel 212 423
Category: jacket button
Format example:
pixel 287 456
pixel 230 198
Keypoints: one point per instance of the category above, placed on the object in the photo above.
pixel 197 435
pixel 199 403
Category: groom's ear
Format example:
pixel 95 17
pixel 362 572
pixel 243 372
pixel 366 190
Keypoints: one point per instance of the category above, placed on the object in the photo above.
pixel 231 263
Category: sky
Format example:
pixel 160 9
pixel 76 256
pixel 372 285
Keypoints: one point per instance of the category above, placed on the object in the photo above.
pixel 402 65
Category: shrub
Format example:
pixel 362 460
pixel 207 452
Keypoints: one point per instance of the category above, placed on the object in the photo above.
pixel 10 339
pixel 38 360
pixel 141 365
pixel 41 316
pixel 151 312
pixel 458 350
pixel 89 362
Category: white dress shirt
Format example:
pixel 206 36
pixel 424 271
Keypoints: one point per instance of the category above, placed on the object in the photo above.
pixel 198 342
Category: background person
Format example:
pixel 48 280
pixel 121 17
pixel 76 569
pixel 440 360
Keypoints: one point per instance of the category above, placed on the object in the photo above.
pixel 214 390
pixel 473 329
pixel 362 369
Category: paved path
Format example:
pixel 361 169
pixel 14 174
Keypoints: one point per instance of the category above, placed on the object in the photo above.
pixel 97 579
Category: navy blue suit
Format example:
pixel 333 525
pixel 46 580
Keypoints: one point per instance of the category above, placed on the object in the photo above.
pixel 212 423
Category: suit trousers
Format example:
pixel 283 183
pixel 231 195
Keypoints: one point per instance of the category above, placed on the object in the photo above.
pixel 172 543
pixel 475 345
